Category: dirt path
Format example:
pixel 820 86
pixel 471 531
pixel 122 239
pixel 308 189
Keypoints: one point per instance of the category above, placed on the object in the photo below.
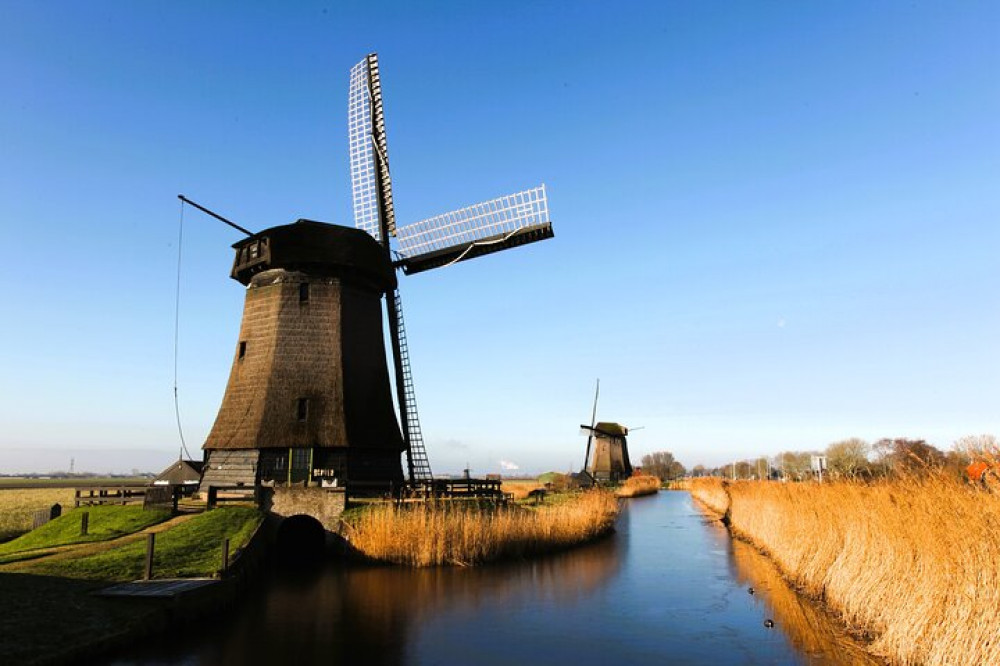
pixel 76 550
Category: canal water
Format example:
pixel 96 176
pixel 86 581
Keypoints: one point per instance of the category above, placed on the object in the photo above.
pixel 669 587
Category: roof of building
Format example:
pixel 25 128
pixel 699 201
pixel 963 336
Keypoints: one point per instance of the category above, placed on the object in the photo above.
pixel 181 471
pixel 611 429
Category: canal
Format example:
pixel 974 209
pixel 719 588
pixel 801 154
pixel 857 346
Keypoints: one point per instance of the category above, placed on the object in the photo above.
pixel 669 587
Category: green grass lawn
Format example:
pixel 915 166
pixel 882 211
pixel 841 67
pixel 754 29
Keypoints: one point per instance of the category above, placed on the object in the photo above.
pixel 105 522
pixel 192 548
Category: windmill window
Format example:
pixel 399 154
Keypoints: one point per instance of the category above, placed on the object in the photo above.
pixel 302 409
pixel 243 349
pixel 304 292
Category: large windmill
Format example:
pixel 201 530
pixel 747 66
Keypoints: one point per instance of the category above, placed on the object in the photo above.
pixel 436 242
pixel 309 397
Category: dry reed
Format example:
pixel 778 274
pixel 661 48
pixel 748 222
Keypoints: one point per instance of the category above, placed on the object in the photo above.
pixel 636 486
pixel 18 505
pixel 447 533
pixel 519 488
pixel 910 562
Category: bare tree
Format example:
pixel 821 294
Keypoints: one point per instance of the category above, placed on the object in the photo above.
pixel 848 458
pixel 662 464
pixel 908 456
pixel 795 465
pixel 976 446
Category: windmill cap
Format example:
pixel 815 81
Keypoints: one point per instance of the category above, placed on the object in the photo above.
pixel 612 429
pixel 314 248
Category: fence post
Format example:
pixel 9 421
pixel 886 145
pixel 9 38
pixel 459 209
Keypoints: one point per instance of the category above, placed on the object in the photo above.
pixel 225 556
pixel 84 523
pixel 150 545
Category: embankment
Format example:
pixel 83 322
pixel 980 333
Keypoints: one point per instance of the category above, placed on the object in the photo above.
pixel 911 564
pixel 637 486
pixel 429 534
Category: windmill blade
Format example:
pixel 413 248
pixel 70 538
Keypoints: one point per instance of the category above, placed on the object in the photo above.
pixel 371 185
pixel 490 226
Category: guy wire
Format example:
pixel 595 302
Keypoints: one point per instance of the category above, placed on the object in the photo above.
pixel 177 328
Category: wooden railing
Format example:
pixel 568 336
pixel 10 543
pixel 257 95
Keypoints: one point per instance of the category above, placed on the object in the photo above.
pixel 101 495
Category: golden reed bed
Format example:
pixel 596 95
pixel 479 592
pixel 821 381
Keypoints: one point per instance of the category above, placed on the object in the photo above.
pixel 636 486
pixel 447 533
pixel 912 563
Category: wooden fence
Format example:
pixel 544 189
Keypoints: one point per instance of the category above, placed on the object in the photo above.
pixel 109 495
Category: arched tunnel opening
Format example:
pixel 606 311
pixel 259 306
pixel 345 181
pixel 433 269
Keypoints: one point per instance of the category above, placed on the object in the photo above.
pixel 301 541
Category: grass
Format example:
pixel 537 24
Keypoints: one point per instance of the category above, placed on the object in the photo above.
pixel 911 563
pixel 17 507
pixel 447 533
pixel 104 523
pixel 54 620
pixel 637 486
pixel 192 548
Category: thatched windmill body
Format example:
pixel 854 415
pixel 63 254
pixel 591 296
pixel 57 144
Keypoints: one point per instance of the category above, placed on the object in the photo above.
pixel 309 398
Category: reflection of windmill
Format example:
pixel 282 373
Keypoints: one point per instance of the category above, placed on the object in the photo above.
pixel 436 242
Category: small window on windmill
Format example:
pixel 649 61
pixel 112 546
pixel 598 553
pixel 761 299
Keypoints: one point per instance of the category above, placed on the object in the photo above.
pixel 302 409
pixel 254 250
pixel 243 349
pixel 304 292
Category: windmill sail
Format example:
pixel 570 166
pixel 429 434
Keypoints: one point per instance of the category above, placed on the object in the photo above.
pixel 490 226
pixel 369 150
pixel 487 227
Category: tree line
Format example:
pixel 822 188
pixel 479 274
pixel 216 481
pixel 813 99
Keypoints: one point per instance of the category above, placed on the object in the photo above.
pixel 851 458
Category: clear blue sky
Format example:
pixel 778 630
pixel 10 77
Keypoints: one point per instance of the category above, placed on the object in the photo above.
pixel 776 223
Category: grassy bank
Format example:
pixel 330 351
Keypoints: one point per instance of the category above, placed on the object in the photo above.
pixel 104 523
pixel 191 548
pixel 18 505
pixel 637 486
pixel 911 563
pixel 452 534
pixel 57 591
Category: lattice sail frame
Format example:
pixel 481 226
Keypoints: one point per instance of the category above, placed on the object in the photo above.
pixel 496 219
pixel 366 132
pixel 449 237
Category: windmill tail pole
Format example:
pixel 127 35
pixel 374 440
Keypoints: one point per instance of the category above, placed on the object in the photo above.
pixel 215 215
pixel 590 435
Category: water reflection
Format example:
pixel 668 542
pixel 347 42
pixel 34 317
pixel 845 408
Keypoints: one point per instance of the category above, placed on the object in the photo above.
pixel 807 627
pixel 666 588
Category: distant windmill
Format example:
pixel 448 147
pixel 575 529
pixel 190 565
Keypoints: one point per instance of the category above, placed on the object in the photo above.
pixel 610 460
pixel 606 440
pixel 483 228
pixel 308 399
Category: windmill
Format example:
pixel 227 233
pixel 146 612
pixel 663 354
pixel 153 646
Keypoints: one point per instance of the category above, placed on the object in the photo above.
pixel 436 242
pixel 610 460
pixel 309 399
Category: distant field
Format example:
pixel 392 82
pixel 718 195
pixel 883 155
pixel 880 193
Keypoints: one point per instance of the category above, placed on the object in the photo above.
pixel 16 482
pixel 18 505
pixel 520 488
